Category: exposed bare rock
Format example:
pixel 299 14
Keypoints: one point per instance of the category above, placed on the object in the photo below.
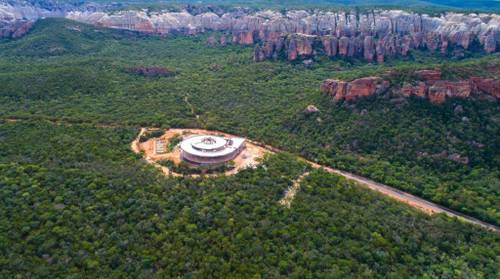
pixel 364 87
pixel 299 46
pixel 490 43
pixel 310 109
pixel 343 46
pixel 437 95
pixel 456 89
pixel 432 41
pixel 418 90
pixel 258 54
pixel 438 91
pixel 16 29
pixel 459 158
pixel 308 62
pixel 406 45
pixel 380 51
pixel 442 89
pixel 292 53
pixel 406 90
pixel 335 88
pixel 458 109
pixel 369 48
pixel 432 88
pixel 246 38
pixel 330 45
pixel 349 91
pixel 428 75
pixel 373 35
pixel 211 41
pixel 223 40
pixel 267 50
pixel 243 38
pixel 16 19
pixel 487 85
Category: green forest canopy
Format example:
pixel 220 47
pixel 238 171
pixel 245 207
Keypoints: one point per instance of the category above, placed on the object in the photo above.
pixel 76 201
pixel 75 198
pixel 57 73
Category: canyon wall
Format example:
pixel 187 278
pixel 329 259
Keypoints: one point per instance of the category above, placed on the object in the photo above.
pixel 16 18
pixel 428 85
pixel 294 34
pixel 298 34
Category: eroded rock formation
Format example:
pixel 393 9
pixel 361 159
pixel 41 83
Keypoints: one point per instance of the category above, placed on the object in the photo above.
pixel 349 91
pixel 429 86
pixel 18 16
pixel 310 109
pixel 487 85
pixel 294 34
pixel 16 20
pixel 297 34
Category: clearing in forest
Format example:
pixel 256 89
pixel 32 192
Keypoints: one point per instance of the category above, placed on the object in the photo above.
pixel 248 158
pixel 292 190
pixel 254 151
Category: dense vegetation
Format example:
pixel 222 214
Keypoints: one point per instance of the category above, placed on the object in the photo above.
pixel 77 203
pixel 401 144
pixel 75 199
pixel 185 168
pixel 151 134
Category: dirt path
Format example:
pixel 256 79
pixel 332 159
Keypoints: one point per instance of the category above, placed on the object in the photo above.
pixel 191 108
pixel 401 196
pixel 136 147
pixel 69 122
pixel 292 191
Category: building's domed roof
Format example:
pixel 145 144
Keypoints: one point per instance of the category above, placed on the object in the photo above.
pixel 210 146
pixel 208 143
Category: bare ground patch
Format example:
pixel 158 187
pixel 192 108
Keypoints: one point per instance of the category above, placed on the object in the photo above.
pixel 292 190
pixel 248 158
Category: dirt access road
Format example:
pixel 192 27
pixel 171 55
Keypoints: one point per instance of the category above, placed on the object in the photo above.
pixel 248 158
pixel 401 196
pixel 414 201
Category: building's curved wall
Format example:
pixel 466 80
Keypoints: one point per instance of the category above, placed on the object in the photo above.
pixel 210 160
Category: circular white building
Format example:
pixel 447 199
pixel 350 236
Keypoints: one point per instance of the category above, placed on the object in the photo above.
pixel 210 150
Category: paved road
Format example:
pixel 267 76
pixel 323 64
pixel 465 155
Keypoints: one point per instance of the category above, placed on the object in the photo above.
pixel 414 201
pixel 419 203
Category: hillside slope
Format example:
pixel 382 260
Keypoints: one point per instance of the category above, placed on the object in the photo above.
pixel 401 144
pixel 75 200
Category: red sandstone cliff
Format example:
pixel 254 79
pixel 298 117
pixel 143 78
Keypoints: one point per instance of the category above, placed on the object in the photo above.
pixel 430 86
pixel 349 91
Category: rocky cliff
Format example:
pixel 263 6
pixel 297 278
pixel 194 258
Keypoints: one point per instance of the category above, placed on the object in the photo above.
pixel 294 34
pixel 428 85
pixel 300 34
pixel 349 91
pixel 18 16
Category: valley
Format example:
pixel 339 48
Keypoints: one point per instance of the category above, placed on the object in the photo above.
pixel 378 161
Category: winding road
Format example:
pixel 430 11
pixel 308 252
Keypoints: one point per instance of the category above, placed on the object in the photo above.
pixel 401 196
